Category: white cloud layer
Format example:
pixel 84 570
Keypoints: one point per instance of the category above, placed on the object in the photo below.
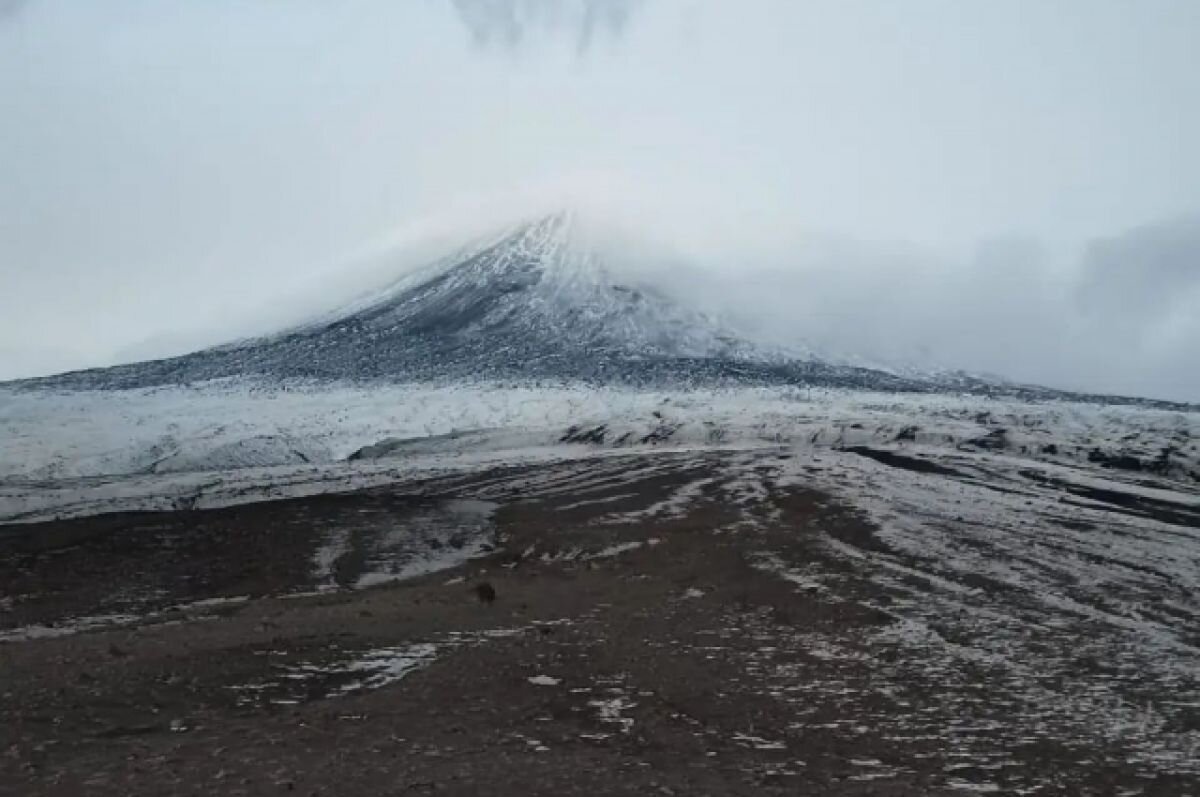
pixel 1008 187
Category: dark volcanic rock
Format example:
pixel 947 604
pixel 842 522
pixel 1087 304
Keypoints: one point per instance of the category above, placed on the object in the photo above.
pixel 1116 461
pixel 915 464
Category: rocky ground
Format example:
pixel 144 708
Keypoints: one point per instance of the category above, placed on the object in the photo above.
pixel 682 623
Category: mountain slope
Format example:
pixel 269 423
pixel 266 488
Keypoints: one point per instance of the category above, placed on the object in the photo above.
pixel 536 303
pixel 540 302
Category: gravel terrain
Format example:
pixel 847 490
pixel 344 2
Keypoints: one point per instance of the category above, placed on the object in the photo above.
pixel 665 624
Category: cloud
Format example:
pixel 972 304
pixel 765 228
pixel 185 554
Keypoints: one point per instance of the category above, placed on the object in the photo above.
pixel 1143 277
pixel 917 182
pixel 1121 315
pixel 513 23
pixel 10 9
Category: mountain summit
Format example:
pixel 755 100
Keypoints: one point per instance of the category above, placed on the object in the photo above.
pixel 541 291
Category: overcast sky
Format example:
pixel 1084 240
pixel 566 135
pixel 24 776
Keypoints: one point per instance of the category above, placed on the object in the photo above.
pixel 1009 186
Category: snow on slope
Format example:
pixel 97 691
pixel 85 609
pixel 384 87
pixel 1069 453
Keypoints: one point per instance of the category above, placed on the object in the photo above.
pixel 59 446
pixel 555 300
pixel 554 276
pixel 547 300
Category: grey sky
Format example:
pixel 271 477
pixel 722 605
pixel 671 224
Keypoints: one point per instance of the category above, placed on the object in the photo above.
pixel 1008 186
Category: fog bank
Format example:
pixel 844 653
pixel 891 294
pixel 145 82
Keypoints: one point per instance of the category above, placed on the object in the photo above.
pixel 1010 187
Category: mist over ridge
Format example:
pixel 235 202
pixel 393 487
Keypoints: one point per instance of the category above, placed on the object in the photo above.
pixel 1008 190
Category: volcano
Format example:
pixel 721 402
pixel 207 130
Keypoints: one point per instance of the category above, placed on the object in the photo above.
pixel 536 302
pixel 544 301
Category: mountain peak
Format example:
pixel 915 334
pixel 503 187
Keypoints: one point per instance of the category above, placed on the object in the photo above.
pixel 539 300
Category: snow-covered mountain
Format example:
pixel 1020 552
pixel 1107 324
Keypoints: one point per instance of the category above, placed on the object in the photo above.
pixel 544 301
pixel 537 302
